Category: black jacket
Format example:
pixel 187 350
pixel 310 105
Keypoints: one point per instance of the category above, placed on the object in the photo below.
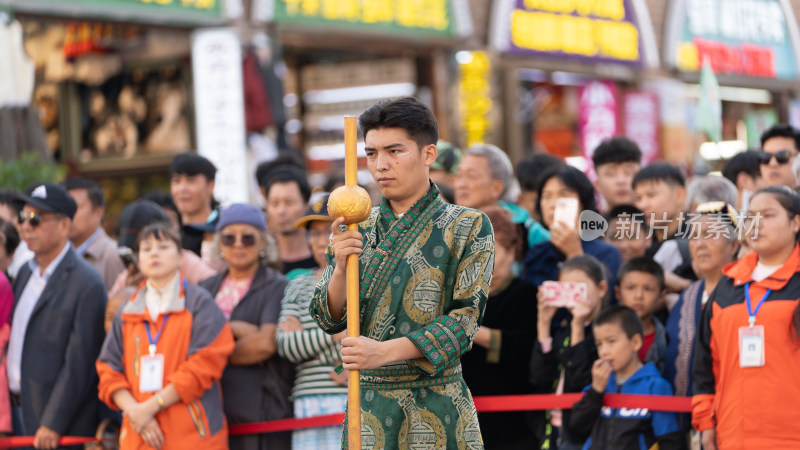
pixel 62 342
pixel 504 371
pixel 545 371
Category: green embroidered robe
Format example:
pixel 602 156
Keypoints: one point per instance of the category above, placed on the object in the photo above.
pixel 424 276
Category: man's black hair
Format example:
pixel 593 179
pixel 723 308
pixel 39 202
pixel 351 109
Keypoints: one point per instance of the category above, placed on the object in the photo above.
pixel 747 162
pixel 626 318
pixel 93 190
pixel 192 164
pixel 660 171
pixel 10 236
pixel 530 170
pixel 631 213
pixel 616 150
pixel 289 157
pixel 164 200
pixel 287 174
pixel 12 199
pixel 781 130
pixel 407 113
pixel 644 264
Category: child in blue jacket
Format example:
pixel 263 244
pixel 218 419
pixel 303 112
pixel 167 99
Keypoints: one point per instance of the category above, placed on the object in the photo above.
pixel 618 335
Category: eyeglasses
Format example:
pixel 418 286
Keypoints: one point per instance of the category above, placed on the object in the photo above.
pixel 782 157
pixel 229 240
pixel 34 218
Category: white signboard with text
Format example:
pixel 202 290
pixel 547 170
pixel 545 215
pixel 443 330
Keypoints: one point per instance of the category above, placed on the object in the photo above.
pixel 219 110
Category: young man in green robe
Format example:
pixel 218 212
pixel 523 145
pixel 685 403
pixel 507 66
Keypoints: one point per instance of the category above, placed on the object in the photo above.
pixel 425 270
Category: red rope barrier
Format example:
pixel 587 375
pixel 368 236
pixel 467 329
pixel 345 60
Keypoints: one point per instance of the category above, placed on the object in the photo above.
pixel 287 424
pixel 499 403
pixel 27 441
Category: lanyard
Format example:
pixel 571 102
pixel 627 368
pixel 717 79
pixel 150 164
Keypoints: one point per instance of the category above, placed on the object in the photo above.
pixel 750 312
pixel 154 340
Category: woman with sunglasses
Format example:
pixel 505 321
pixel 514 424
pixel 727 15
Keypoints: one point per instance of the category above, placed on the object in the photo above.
pixel 257 382
pixel 162 359
pixel 747 353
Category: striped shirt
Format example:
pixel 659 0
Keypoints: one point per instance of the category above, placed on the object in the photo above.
pixel 312 349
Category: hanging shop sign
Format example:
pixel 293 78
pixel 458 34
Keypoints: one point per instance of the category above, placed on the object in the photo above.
pixel 177 12
pixel 597 114
pixel 750 38
pixel 219 109
pixel 617 31
pixel 444 18
pixel 641 121
pixel 475 101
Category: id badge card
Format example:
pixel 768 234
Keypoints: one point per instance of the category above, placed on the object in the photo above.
pixel 751 346
pixel 152 373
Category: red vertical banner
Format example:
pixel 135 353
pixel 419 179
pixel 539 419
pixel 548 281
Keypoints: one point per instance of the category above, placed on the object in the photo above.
pixel 597 113
pixel 641 119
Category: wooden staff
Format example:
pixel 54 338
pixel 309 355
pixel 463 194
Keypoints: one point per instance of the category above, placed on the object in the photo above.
pixel 353 325
pixel 352 202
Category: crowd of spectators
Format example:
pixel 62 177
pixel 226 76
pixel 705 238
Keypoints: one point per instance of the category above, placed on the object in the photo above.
pixel 194 317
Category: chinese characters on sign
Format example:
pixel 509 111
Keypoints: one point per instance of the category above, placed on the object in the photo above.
pixel 597 106
pixel 217 68
pixel 742 37
pixel 475 102
pixel 428 15
pixel 593 29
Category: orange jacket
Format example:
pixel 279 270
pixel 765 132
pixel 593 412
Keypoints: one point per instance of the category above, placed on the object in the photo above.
pixel 752 407
pixel 196 343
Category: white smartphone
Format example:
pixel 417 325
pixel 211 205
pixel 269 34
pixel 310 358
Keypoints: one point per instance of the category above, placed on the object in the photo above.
pixel 566 212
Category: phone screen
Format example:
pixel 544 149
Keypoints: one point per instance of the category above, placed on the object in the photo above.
pixel 564 294
pixel 566 212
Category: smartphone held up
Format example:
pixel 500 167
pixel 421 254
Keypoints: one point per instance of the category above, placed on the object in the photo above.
pixel 563 294
pixel 566 212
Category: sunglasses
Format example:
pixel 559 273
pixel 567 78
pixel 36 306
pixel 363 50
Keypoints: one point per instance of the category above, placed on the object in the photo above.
pixel 33 218
pixel 782 157
pixel 229 240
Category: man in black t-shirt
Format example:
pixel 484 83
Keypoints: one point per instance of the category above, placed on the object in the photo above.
pixel 286 191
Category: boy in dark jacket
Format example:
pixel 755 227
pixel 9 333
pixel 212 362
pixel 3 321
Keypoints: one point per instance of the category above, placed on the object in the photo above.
pixel 618 334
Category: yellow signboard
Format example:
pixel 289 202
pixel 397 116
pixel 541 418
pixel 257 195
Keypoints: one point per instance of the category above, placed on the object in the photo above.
pixel 594 29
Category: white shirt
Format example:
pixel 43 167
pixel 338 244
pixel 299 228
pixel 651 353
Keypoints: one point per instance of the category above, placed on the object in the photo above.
pixel 22 315
pixel 762 272
pixel 669 255
pixel 157 300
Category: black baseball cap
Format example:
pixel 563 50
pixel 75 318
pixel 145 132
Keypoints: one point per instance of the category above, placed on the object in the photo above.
pixel 51 197
pixel 134 217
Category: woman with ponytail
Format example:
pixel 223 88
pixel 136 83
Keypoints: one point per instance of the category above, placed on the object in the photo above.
pixel 747 358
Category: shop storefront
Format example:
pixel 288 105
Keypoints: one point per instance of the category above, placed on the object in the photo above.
pixel 342 57
pixel 754 50
pixel 572 75
pixel 113 85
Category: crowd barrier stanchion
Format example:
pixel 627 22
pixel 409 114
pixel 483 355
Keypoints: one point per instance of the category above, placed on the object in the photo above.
pixel 499 403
